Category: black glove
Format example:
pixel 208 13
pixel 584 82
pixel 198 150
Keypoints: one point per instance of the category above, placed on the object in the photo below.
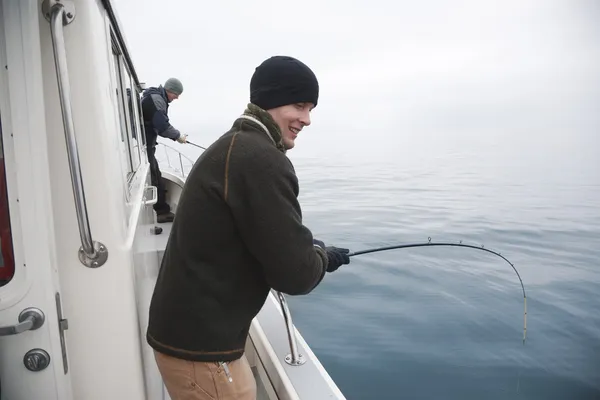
pixel 337 256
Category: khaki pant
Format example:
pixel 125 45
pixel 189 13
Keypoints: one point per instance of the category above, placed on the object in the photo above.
pixel 188 380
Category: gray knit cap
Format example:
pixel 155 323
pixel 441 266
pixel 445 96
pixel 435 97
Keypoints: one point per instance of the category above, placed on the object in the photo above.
pixel 174 85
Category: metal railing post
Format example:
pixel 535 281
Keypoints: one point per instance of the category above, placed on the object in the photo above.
pixel 294 358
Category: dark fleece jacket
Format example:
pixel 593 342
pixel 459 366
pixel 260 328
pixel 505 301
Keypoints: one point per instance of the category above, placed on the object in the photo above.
pixel 237 234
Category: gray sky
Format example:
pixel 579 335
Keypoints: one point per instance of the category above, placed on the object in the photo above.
pixel 395 72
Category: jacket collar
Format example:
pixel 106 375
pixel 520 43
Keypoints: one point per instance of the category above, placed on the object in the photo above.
pixel 263 121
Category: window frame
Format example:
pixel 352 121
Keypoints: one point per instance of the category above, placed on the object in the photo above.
pixel 130 119
pixel 116 79
pixel 136 123
pixel 133 134
pixel 139 93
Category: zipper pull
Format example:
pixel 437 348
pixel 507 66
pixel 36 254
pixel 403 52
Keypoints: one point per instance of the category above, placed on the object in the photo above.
pixel 226 368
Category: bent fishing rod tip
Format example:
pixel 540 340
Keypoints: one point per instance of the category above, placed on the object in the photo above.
pixel 429 243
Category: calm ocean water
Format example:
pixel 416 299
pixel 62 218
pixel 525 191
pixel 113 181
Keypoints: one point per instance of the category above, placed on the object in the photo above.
pixel 432 323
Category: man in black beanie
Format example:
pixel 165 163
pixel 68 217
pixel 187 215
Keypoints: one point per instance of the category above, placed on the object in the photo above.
pixel 238 234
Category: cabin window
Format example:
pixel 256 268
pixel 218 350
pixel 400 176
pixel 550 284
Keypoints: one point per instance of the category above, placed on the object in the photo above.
pixel 136 130
pixel 126 160
pixel 130 119
pixel 138 106
pixel 132 134
pixel 7 259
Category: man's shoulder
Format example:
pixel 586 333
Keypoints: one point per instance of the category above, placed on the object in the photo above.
pixel 257 145
pixel 251 150
pixel 154 94
pixel 151 90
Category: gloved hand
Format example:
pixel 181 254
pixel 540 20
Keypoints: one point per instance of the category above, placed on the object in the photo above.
pixel 337 256
pixel 182 139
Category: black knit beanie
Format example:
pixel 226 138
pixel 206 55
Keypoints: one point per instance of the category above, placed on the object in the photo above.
pixel 283 80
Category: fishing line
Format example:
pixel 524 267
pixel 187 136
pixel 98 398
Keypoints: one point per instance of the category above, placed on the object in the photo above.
pixel 460 244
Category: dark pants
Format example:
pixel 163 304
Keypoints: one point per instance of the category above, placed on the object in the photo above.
pixel 161 206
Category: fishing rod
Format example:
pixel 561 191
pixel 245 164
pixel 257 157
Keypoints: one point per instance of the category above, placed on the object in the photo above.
pixel 460 244
pixel 194 144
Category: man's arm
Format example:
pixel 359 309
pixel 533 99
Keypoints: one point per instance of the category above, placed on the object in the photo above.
pixel 261 190
pixel 160 120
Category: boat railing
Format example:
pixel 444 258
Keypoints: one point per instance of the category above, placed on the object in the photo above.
pixel 294 358
pixel 173 159
pixel 92 254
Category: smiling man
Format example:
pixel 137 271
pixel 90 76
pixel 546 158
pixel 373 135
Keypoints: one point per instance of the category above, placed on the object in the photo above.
pixel 238 233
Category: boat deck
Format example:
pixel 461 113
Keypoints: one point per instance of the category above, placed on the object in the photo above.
pixel 159 242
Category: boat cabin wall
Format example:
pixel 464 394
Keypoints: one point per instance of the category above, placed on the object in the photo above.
pixel 26 183
pixel 99 303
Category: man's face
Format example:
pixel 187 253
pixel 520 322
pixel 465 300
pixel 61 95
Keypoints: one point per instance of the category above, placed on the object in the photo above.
pixel 171 96
pixel 291 119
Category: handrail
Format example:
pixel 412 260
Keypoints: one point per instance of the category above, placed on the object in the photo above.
pixel 179 154
pixel 62 12
pixel 294 358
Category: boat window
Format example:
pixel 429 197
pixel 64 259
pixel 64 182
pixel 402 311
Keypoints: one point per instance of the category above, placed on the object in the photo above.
pixel 138 104
pixel 7 260
pixel 125 156
pixel 130 119
pixel 137 133
pixel 133 134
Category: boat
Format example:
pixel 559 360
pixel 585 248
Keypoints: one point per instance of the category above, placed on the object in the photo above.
pixel 79 250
